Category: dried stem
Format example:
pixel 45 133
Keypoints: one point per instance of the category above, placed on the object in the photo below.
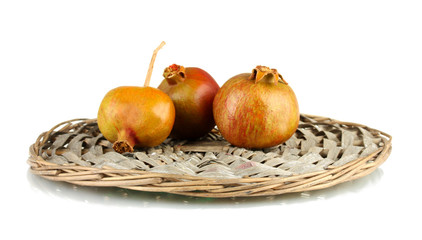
pixel 151 64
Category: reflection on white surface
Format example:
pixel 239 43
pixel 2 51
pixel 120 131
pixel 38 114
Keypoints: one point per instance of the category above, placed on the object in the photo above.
pixel 125 197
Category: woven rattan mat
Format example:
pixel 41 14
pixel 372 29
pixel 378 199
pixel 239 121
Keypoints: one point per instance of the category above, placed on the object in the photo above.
pixel 323 152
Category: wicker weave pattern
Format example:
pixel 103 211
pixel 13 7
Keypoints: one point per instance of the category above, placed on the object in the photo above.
pixel 323 152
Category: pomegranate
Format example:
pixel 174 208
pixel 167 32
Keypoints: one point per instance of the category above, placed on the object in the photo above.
pixel 132 116
pixel 256 110
pixel 192 91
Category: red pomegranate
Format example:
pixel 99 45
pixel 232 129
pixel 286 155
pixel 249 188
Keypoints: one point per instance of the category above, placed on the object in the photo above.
pixel 256 110
pixel 192 91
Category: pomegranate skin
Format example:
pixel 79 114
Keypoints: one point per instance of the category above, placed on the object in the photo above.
pixel 192 91
pixel 141 116
pixel 256 113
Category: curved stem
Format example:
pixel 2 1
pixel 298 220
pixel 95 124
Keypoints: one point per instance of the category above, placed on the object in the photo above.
pixel 151 64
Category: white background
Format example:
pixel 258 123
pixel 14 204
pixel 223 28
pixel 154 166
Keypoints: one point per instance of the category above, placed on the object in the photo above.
pixel 357 61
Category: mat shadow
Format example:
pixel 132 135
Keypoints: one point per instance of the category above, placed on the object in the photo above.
pixel 124 197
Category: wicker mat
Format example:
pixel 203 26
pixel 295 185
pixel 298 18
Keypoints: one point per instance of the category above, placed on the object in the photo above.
pixel 323 152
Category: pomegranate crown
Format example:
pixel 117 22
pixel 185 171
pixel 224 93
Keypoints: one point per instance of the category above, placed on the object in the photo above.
pixel 263 73
pixel 174 73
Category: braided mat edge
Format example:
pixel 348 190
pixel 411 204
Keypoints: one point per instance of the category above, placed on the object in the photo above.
pixel 322 153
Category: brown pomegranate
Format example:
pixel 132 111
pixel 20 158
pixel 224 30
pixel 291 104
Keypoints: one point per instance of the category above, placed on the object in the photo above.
pixel 132 116
pixel 256 110
pixel 192 91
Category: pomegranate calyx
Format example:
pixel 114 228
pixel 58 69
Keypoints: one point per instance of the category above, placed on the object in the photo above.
pixel 266 74
pixel 174 74
pixel 122 146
